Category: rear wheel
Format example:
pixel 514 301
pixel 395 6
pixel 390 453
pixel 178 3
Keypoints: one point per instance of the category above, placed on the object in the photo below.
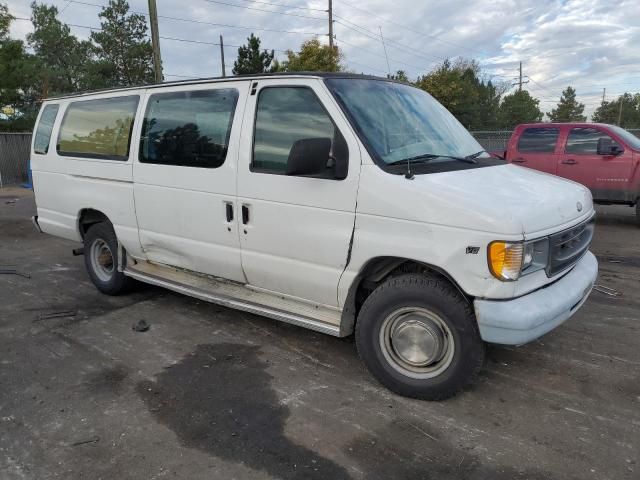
pixel 101 260
pixel 419 337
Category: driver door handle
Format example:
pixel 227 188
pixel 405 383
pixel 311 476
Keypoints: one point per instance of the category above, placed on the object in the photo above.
pixel 518 160
pixel 570 161
pixel 245 214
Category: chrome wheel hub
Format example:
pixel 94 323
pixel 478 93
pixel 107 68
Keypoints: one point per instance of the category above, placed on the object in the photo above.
pixel 101 260
pixel 417 342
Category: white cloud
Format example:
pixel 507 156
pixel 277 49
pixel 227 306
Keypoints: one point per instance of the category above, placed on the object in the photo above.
pixel 589 44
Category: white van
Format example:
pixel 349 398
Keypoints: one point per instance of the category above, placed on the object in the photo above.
pixel 336 202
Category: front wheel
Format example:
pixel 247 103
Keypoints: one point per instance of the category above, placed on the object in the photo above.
pixel 101 260
pixel 419 337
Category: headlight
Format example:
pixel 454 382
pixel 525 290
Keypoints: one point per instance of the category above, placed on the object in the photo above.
pixel 509 260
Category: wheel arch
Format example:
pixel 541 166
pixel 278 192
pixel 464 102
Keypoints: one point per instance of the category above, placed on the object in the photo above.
pixel 374 272
pixel 88 217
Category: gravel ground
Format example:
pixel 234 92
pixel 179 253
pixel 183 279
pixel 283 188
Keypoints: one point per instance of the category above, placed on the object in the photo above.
pixel 210 392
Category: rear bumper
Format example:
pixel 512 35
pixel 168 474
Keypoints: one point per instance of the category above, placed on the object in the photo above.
pixel 522 320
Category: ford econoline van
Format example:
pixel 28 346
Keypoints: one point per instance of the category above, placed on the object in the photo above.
pixel 337 202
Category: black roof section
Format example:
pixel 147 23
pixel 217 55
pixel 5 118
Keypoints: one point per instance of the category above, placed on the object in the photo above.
pixel 226 79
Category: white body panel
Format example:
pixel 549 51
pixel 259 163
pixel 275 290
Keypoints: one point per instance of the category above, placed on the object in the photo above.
pixel 297 239
pixel 181 210
pixel 307 239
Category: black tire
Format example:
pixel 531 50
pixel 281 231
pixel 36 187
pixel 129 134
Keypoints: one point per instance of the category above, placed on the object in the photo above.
pixel 107 278
pixel 455 319
pixel 638 212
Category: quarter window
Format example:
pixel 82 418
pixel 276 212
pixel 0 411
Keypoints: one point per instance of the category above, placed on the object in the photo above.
pixel 284 116
pixel 98 128
pixel 538 140
pixel 189 129
pixel 45 127
pixel 584 141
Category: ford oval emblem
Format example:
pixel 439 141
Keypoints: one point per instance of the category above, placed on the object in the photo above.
pixel 579 206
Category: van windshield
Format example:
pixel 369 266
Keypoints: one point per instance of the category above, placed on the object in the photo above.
pixel 401 123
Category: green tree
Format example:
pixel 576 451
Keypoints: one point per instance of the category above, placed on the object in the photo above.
pixel 251 59
pixel 460 88
pixel 123 49
pixel 568 109
pixel 519 107
pixel 313 57
pixel 400 76
pixel 5 21
pixel 609 112
pixel 62 57
pixel 17 79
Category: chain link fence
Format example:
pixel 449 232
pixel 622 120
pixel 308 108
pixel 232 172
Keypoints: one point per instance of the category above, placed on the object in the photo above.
pixel 14 158
pixel 493 140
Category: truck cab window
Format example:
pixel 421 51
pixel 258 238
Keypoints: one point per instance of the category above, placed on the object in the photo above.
pixel 584 141
pixel 284 116
pixel 538 140
pixel 188 129
pixel 45 127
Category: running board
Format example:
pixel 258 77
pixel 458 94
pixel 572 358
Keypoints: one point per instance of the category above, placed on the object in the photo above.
pixel 238 296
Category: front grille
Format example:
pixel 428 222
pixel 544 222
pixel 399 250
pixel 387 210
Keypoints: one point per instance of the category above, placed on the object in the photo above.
pixel 568 246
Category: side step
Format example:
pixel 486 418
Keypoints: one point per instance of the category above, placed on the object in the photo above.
pixel 234 295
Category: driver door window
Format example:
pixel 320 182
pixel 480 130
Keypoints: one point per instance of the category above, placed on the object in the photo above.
pixel 584 141
pixel 285 115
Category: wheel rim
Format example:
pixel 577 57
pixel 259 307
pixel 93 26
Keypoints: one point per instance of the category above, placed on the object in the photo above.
pixel 417 342
pixel 102 260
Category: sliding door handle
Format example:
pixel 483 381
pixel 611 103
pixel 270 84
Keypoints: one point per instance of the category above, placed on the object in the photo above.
pixel 570 161
pixel 229 209
pixel 245 214
pixel 518 160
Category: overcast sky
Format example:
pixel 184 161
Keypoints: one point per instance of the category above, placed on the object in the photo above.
pixel 589 44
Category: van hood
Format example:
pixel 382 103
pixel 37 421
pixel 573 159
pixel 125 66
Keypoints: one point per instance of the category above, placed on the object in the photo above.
pixel 504 199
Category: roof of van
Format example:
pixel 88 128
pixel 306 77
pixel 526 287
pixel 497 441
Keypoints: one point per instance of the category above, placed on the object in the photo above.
pixel 227 79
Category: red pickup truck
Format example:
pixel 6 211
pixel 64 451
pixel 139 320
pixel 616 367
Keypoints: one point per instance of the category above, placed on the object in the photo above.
pixel 603 157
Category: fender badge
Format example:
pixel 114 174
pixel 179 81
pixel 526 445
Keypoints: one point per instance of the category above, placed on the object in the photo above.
pixel 473 250
pixel 579 206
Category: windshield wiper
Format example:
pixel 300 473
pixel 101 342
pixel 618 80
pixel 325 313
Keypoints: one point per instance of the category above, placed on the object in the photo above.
pixel 427 157
pixel 473 156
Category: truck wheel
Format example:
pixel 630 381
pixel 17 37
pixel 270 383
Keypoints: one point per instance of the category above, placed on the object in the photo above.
pixel 419 337
pixel 101 260
pixel 638 212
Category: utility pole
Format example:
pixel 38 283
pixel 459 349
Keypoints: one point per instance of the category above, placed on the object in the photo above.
pixel 224 73
pixel 385 52
pixel 604 91
pixel 620 112
pixel 155 41
pixel 519 80
pixel 330 24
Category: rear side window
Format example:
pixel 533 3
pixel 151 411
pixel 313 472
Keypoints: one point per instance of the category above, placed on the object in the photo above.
pixel 285 115
pixel 98 128
pixel 189 129
pixel 45 126
pixel 585 141
pixel 538 140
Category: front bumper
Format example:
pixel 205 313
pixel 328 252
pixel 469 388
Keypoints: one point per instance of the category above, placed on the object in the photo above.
pixel 523 319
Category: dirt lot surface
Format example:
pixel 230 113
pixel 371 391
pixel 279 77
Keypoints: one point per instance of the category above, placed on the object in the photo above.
pixel 212 393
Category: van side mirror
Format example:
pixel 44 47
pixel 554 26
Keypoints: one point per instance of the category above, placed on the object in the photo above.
pixel 606 147
pixel 309 156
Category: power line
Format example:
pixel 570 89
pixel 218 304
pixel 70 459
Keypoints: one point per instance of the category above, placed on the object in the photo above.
pixel 202 22
pixel 265 11
pixel 435 37
pixel 285 5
